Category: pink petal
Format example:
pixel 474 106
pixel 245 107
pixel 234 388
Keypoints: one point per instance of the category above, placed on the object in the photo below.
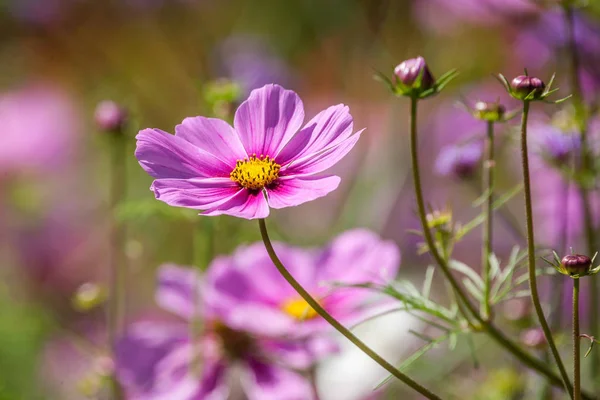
pixel 214 136
pixel 327 128
pixel 163 155
pixel 213 384
pixel 178 290
pixel 262 381
pixel 260 319
pixel 194 193
pixel 292 191
pixel 243 204
pixel 315 163
pixel 268 119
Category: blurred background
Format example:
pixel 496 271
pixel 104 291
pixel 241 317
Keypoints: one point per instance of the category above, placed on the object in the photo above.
pixel 160 61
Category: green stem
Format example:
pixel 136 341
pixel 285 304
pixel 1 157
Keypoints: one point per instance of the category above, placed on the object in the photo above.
pixel 531 250
pixel 582 123
pixel 333 322
pixel 116 257
pixel 488 224
pixel 533 363
pixel 576 343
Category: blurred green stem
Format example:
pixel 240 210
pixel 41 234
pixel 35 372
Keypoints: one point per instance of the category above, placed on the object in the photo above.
pixel 582 122
pixel 531 250
pixel 486 326
pixel 488 185
pixel 333 322
pixel 576 343
pixel 116 257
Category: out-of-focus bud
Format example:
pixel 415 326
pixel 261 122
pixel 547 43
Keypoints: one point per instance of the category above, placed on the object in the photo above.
pixel 516 310
pixel 110 117
pixel 88 296
pixel 534 338
pixel 221 95
pixel 459 161
pixel 414 74
pixel 576 264
pixel 524 86
pixel 439 219
pixel 489 111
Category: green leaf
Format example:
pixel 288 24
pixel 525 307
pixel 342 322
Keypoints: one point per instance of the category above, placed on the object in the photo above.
pixel 467 271
pixel 428 281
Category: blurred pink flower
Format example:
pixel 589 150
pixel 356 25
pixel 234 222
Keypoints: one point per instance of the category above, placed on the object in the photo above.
pixel 246 288
pixel 39 125
pixel 155 361
pixel 252 320
pixel 266 161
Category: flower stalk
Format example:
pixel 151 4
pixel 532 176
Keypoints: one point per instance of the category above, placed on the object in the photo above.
pixel 335 323
pixel 576 343
pixel 116 258
pixel 489 167
pixel 581 120
pixel 531 250
pixel 487 326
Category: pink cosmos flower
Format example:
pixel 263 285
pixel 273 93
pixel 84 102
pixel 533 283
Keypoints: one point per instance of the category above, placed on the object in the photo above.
pixel 266 160
pixel 252 321
pixel 247 289
pixel 161 361
pixel 39 127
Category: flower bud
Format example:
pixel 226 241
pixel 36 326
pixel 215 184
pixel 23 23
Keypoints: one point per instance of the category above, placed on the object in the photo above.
pixel 459 161
pixel 576 264
pixel 414 74
pixel 88 296
pixel 523 85
pixel 109 116
pixel 534 338
pixel 489 111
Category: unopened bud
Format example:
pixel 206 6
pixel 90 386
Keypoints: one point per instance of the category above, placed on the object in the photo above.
pixel 534 338
pixel 489 111
pixel 576 264
pixel 523 85
pixel 414 74
pixel 109 116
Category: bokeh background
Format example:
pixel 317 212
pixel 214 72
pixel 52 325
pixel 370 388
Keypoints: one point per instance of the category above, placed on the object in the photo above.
pixel 158 60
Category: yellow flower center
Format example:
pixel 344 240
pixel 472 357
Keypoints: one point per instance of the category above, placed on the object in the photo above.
pixel 255 173
pixel 299 309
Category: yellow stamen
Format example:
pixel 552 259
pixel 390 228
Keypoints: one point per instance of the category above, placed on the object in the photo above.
pixel 255 173
pixel 299 309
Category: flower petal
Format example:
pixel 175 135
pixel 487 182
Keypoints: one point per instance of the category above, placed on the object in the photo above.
pixel 178 290
pixel 194 193
pixel 214 136
pixel 327 128
pixel 315 163
pixel 292 191
pixel 213 385
pixel 140 351
pixel 268 119
pixel 263 381
pixel 163 155
pixel 243 204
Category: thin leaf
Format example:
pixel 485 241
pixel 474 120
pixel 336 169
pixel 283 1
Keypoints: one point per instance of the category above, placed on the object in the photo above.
pixel 475 292
pixel 467 271
pixel 428 281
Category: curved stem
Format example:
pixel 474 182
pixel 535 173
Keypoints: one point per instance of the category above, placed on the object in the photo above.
pixel 576 343
pixel 488 224
pixel 533 363
pixel 333 322
pixel 531 250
